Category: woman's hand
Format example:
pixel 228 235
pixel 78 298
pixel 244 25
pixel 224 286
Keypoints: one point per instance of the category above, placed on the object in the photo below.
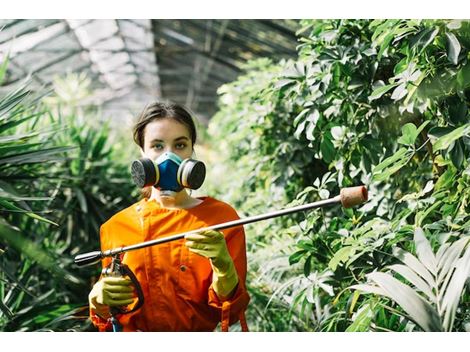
pixel 110 292
pixel 211 244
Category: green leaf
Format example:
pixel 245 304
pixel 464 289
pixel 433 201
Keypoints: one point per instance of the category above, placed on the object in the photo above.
pixel 399 92
pixel 5 126
pixel 82 200
pixel 327 148
pixel 308 265
pixel 454 289
pixel 445 141
pixel 295 258
pixel 409 134
pixel 385 44
pixel 414 305
pixel 453 48
pixel 424 251
pixel 340 256
pixel 376 290
pixel 377 93
pixel 456 154
pixel 448 259
pixel 32 250
pixel 36 156
pixel 445 180
pixel 362 319
pixel 10 206
pixel 392 164
pixel 400 154
pixel 413 263
pixel 414 279
pixel 424 38
pixel 12 100
pixel 423 214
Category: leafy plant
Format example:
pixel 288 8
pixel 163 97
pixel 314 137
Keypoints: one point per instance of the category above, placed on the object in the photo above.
pixel 436 282
pixel 382 103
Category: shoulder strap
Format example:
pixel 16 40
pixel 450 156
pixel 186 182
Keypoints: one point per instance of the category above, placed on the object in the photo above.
pixel 225 319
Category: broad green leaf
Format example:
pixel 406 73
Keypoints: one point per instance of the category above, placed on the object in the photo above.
pixel 399 92
pixel 340 257
pixel 424 251
pixel 457 154
pixel 308 265
pixel 445 180
pixel 445 141
pixel 448 259
pixel 385 44
pixel 385 174
pixel 327 149
pixel 413 263
pixel 376 290
pixel 400 154
pixel 425 37
pixel 441 252
pixel 409 134
pixel 377 93
pixel 455 288
pixel 414 279
pixel 453 48
pixel 295 258
pixel 414 305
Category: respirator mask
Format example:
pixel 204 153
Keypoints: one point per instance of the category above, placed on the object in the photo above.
pixel 168 173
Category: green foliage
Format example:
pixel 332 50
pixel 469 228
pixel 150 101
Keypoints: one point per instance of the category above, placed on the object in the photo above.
pixel 439 277
pixel 60 180
pixel 383 103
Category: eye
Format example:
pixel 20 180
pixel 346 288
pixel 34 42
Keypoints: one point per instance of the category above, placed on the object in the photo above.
pixel 158 146
pixel 180 145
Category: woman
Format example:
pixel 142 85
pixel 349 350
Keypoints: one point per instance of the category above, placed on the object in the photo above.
pixel 188 285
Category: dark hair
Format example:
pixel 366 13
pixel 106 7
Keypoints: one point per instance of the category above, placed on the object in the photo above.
pixel 158 110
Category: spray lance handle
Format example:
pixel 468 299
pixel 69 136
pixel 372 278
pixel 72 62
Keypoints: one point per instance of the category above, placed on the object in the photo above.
pixel 118 269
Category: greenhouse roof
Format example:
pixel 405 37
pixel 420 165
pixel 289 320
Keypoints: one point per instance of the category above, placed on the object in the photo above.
pixel 133 62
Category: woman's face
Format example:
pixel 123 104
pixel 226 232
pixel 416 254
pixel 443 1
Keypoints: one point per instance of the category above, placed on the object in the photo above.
pixel 166 135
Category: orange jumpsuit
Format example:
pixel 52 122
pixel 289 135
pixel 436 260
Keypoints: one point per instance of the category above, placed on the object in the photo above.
pixel 177 284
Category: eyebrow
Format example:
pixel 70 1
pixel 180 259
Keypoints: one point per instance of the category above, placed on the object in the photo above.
pixel 176 139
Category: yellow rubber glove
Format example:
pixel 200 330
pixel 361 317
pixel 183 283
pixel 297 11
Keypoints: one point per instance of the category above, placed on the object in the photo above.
pixel 108 292
pixel 212 245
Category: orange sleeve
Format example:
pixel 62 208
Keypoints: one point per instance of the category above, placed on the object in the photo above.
pixel 232 309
